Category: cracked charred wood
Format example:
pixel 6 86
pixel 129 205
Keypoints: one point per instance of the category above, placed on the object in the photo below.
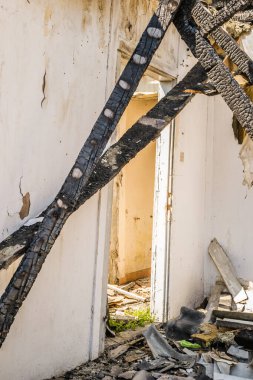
pixel 65 202
pixel 224 14
pixel 110 163
pixel 227 43
pixel 217 72
pixel 16 244
pixel 135 139
pixel 244 16
pixel 145 130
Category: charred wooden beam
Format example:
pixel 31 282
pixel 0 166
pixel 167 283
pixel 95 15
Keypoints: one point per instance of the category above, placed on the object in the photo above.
pixel 224 40
pixel 135 139
pixel 228 10
pixel 108 166
pixel 244 16
pixel 16 244
pixel 117 102
pixel 65 202
pixel 218 74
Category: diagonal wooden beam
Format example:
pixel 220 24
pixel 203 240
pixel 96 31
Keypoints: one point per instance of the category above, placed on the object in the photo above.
pixel 16 244
pixel 218 74
pixel 224 40
pixel 65 202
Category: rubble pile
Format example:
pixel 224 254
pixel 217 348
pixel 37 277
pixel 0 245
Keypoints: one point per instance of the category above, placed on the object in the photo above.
pixel 212 342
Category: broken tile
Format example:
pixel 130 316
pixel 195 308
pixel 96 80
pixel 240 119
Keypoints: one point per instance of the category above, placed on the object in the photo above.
pixel 243 370
pixel 118 351
pixel 134 356
pixel 161 348
pixel 208 333
pixel 116 370
pixel 143 375
pixel 220 356
pixel 127 375
pixel 224 367
pixel 238 353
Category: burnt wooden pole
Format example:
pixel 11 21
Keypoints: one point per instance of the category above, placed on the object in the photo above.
pixel 119 154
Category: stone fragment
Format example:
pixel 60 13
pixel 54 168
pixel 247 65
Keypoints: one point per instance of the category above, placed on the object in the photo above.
pixel 127 375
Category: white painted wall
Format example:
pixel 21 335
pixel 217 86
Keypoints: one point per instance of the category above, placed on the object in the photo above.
pixel 209 199
pixel 230 214
pixel 186 262
pixel 60 325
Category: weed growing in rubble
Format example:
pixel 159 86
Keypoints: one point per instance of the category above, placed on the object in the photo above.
pixel 142 318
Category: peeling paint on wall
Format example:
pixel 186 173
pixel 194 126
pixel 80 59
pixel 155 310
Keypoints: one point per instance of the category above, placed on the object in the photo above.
pixel 24 212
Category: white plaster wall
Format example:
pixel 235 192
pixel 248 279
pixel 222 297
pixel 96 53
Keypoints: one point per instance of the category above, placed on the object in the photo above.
pixel 209 199
pixel 74 43
pixel 230 211
pixel 187 227
pixel 229 203
pixel 53 330
pixel 186 238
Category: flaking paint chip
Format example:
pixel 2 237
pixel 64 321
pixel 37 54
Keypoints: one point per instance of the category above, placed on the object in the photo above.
pixel 24 212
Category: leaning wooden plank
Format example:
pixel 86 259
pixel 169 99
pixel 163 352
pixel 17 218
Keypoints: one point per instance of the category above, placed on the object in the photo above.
pixel 134 140
pixel 213 301
pixel 126 293
pixel 227 271
pixel 122 152
pixel 217 72
pixel 244 316
pixel 233 323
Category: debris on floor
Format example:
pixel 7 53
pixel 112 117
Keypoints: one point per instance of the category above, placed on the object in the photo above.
pixel 212 343
pixel 129 305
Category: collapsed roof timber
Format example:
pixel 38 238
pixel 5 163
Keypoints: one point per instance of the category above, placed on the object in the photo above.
pixel 93 169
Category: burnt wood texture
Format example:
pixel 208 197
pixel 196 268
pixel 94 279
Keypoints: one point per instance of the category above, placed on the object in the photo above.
pixel 66 202
pixel 217 72
pixel 224 40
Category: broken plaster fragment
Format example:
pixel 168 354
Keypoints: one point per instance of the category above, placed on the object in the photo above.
pixel 154 32
pixel 139 60
pixel 246 155
pixel 155 123
pixel 77 173
pixel 61 204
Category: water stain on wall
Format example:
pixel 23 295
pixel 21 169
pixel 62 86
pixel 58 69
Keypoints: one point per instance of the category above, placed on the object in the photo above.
pixel 48 25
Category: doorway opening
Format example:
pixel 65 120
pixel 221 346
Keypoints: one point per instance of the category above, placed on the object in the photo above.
pixel 132 218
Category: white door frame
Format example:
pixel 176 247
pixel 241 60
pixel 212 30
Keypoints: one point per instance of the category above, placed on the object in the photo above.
pixel 160 267
pixel 101 271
